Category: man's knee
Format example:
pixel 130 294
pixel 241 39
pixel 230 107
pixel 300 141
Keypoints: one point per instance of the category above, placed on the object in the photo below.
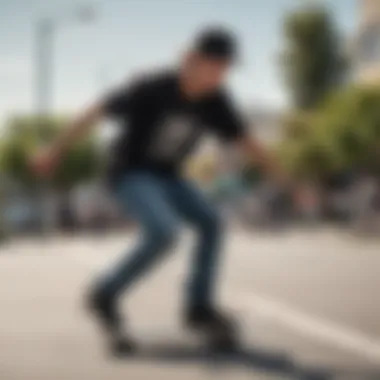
pixel 163 234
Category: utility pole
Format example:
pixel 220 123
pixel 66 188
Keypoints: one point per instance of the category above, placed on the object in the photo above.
pixel 45 31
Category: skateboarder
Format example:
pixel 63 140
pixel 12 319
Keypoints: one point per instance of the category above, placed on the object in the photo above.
pixel 163 117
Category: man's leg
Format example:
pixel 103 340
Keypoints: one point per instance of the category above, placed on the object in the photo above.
pixel 202 313
pixel 191 204
pixel 144 197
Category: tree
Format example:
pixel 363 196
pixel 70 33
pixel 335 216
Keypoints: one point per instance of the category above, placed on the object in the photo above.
pixel 340 136
pixel 312 61
pixel 25 134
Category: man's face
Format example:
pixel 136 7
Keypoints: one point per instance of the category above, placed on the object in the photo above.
pixel 208 73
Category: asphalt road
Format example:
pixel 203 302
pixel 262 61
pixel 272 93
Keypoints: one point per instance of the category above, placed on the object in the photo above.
pixel 307 301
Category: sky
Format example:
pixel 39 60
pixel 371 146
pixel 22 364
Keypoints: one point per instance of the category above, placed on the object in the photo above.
pixel 127 36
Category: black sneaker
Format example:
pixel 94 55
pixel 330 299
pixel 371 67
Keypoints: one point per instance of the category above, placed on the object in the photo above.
pixel 219 328
pixel 105 310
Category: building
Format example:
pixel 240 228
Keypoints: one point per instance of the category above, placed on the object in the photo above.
pixel 366 49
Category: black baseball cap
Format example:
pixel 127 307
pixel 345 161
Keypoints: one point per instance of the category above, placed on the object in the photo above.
pixel 217 43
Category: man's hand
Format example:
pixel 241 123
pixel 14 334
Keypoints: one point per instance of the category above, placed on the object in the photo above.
pixel 45 162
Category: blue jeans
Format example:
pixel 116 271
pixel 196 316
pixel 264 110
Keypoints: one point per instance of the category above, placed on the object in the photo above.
pixel 159 204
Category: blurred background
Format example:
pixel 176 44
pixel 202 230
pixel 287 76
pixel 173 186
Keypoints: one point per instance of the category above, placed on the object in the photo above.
pixel 309 86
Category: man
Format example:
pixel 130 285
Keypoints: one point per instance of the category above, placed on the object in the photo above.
pixel 163 117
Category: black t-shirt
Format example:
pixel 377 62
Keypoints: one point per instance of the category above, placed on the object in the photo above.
pixel 161 127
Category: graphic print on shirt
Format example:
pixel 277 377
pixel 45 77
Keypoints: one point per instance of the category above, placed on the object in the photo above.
pixel 176 133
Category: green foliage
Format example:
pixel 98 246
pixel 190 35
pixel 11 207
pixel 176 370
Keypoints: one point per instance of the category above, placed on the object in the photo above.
pixel 312 61
pixel 24 135
pixel 340 135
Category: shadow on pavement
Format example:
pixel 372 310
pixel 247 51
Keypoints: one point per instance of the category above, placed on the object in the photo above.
pixel 250 359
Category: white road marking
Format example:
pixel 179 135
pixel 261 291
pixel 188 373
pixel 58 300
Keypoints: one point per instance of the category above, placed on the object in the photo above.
pixel 313 327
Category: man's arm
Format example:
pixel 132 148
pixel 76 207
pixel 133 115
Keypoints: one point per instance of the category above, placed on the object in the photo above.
pixel 234 129
pixel 45 162
pixel 115 105
pixel 79 127
pixel 231 127
pixel 271 166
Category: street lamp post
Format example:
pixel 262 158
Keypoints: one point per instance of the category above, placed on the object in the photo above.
pixel 45 39
pixel 44 91
pixel 44 65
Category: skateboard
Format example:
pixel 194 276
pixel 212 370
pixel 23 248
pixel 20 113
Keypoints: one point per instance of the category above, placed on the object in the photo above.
pixel 175 343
